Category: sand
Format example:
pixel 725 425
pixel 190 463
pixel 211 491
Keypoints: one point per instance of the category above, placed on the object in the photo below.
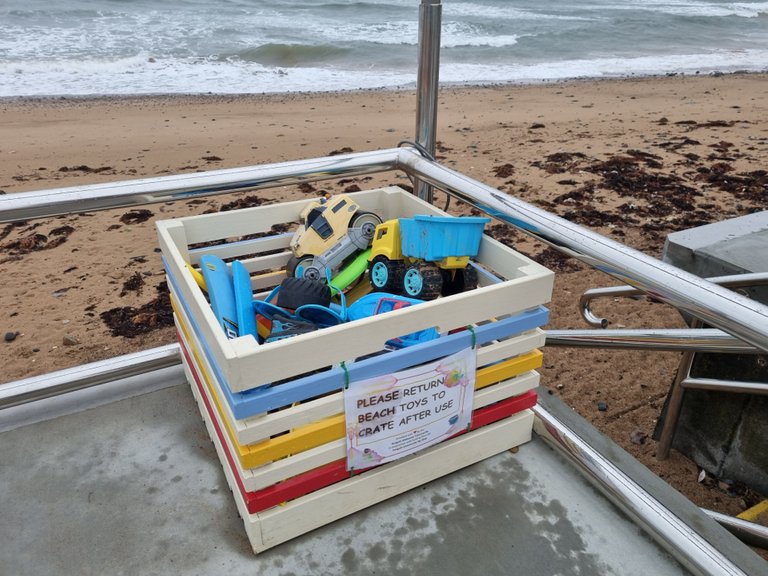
pixel 634 159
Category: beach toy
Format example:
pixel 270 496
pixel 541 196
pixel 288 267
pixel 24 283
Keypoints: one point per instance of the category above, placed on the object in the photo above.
pixel 426 256
pixel 371 304
pixel 273 318
pixel 246 319
pixel 199 280
pixel 380 303
pixel 331 233
pixel 352 272
pixel 221 293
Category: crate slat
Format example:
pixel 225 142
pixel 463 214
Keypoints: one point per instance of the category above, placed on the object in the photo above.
pixel 275 412
pixel 246 366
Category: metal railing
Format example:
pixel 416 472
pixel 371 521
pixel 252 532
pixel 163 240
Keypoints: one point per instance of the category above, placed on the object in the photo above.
pixel 715 305
pixel 734 314
pixel 585 302
pixel 427 82
pixel 658 339
pixel 683 379
pixel 731 312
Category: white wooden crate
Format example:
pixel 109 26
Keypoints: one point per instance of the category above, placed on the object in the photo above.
pixel 225 374
pixel 271 473
pixel 245 365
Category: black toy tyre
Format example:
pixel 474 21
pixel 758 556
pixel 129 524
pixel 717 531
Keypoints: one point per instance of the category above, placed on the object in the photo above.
pixel 295 292
pixel 423 281
pixel 293 263
pixel 469 277
pixel 367 221
pixel 451 282
pixel 458 281
pixel 385 275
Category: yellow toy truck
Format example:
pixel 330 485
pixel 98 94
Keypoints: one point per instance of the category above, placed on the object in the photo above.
pixel 425 256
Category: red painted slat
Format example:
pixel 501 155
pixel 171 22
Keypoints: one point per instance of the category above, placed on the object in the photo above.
pixel 333 472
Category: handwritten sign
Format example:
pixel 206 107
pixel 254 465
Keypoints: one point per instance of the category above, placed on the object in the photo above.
pixel 397 414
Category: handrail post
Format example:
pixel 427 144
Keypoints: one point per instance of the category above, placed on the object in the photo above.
pixel 427 81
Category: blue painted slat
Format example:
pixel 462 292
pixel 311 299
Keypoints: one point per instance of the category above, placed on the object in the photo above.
pixel 257 401
pixel 249 403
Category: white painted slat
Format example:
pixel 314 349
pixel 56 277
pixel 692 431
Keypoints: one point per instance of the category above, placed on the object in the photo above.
pixel 271 473
pixel 282 523
pixel 245 247
pixel 246 365
pixel 258 428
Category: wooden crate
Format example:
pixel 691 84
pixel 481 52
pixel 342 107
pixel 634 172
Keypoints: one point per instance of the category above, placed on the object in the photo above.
pixel 285 443
pixel 244 365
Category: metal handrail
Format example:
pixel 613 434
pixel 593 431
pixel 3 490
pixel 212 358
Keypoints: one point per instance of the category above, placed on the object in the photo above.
pixel 716 384
pixel 683 379
pixel 84 376
pixel 658 339
pixel 717 306
pixel 671 531
pixel 731 281
pixel 87 375
pixel 427 83
pixel 748 532
pixel 731 312
pixel 733 316
pixel 76 199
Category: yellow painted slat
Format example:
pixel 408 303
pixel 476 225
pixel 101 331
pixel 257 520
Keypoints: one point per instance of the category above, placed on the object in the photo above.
pixel 508 368
pixel 331 428
pixel 254 455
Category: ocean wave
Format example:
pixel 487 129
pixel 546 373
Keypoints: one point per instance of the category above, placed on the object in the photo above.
pixel 140 75
pixel 291 55
pixel 140 46
pixel 699 9
pixel 116 35
pixel 716 60
pixel 453 34
pixel 386 33
pixel 145 75
pixel 448 41
pixel 475 10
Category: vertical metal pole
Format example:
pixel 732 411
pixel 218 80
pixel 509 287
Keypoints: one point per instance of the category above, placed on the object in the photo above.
pixel 675 401
pixel 427 80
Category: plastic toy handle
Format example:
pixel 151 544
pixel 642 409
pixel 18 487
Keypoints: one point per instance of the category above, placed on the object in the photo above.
pixel 351 272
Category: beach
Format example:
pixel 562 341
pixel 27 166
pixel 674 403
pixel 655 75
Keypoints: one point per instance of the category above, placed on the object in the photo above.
pixel 632 158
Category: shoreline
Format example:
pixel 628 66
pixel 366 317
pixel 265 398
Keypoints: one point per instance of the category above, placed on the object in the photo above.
pixel 410 87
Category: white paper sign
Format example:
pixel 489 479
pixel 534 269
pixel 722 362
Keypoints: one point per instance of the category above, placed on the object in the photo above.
pixel 397 414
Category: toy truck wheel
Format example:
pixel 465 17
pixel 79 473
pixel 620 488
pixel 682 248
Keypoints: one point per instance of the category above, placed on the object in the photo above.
pixel 294 263
pixel 469 274
pixel 457 281
pixel 313 273
pixel 422 281
pixel 385 275
pixel 367 221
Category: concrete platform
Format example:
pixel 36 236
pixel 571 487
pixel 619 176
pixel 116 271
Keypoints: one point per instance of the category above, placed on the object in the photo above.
pixel 726 433
pixel 134 487
pixel 734 246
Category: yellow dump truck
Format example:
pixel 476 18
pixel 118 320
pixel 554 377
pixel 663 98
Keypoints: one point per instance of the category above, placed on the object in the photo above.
pixel 425 256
